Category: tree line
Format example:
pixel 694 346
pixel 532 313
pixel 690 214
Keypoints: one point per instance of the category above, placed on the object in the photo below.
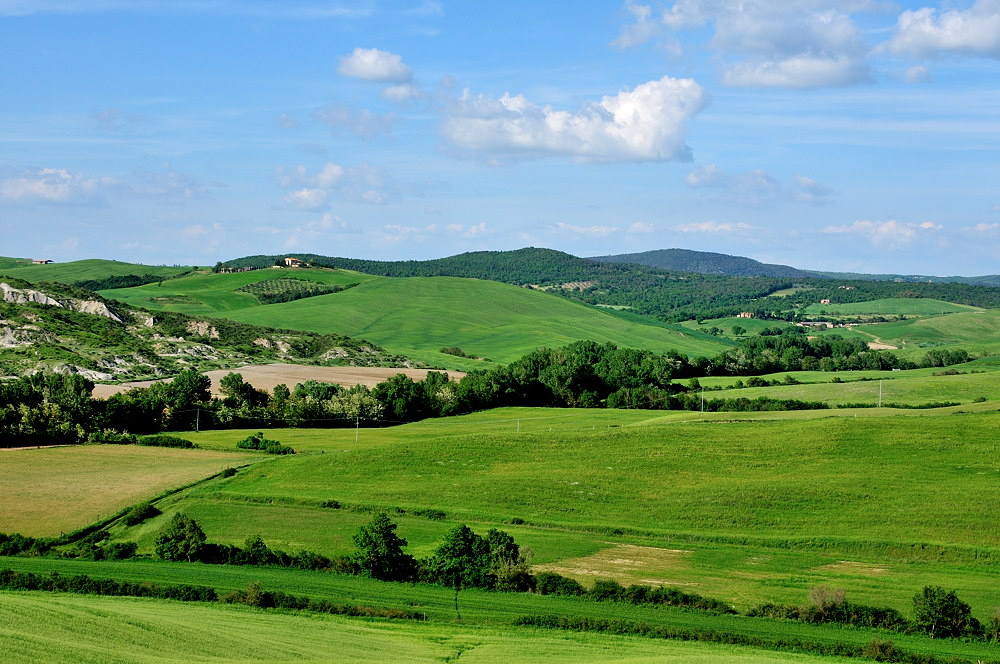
pixel 58 408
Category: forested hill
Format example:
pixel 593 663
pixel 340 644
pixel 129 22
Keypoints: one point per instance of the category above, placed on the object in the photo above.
pixel 705 262
pixel 521 266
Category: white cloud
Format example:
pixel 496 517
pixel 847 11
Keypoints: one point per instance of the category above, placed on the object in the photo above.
pixel 926 32
pixel 757 186
pixel 640 227
pixel 590 231
pixel 372 64
pixel 917 74
pixel 310 190
pixel 399 94
pixel 889 234
pixel 713 227
pixel 478 230
pixel 642 124
pixel 794 43
pixel 983 229
pixel 55 186
pixel 363 123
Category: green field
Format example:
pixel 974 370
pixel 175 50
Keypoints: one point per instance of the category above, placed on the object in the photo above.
pixel 93 268
pixel 747 511
pixel 419 316
pixel 909 306
pixel 207 294
pixel 106 629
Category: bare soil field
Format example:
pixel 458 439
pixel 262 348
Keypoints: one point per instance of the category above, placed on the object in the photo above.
pixel 266 376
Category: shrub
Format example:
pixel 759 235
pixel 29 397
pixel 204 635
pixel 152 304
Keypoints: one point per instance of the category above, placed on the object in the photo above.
pixel 941 614
pixel 165 440
pixel 259 442
pixel 139 513
pixel 550 583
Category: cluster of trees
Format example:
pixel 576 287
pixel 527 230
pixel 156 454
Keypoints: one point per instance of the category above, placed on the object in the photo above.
pixel 58 408
pixel 289 289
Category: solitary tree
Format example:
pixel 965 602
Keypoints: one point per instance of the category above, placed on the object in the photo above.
pixel 380 551
pixel 463 559
pixel 182 539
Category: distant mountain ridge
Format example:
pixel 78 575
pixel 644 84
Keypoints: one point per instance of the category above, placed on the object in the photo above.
pixel 706 262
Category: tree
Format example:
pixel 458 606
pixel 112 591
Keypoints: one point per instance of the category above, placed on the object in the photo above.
pixel 463 559
pixel 182 539
pixel 942 614
pixel 380 551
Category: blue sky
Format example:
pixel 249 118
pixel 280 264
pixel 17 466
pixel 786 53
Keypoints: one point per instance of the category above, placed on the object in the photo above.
pixel 855 135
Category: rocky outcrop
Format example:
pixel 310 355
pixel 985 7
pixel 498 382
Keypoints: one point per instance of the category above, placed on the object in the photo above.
pixel 96 308
pixel 25 296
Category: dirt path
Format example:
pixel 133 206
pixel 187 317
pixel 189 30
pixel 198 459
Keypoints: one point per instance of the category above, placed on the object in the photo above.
pixel 266 376
pixel 877 344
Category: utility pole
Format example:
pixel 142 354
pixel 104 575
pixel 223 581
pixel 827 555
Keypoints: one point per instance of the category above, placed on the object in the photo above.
pixel 880 393
pixel 197 420
pixel 357 428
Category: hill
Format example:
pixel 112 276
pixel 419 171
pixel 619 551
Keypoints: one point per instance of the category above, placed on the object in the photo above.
pixel 704 262
pixel 64 328
pixel 419 316
pixel 92 273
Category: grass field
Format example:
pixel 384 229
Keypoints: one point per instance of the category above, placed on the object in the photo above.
pixel 481 612
pixel 105 629
pixel 748 511
pixel 56 489
pixel 208 294
pixel 909 306
pixel 93 268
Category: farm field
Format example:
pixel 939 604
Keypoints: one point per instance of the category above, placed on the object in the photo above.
pixel 910 306
pixel 209 294
pixel 89 269
pixel 50 490
pixel 105 629
pixel 267 376
pixel 481 610
pixel 746 511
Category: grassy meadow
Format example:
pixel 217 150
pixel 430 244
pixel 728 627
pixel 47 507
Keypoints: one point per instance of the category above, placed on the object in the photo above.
pixel 104 629
pixel 92 268
pixel 909 306
pixel 747 509
pixel 418 317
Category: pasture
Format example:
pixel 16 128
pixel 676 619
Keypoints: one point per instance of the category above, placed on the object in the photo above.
pixel 208 294
pixel 747 508
pixel 483 614
pixel 50 490
pixel 908 306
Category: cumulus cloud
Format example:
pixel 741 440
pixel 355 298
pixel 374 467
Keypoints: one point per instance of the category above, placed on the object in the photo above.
pixel 927 32
pixel 757 186
pixel 310 190
pixel 55 186
pixel 372 64
pixel 640 227
pixel 713 227
pixel 363 123
pixel 917 74
pixel 645 123
pixel 462 230
pixel 795 43
pixel 889 234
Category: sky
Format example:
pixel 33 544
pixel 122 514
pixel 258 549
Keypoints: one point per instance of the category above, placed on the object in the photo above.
pixel 846 135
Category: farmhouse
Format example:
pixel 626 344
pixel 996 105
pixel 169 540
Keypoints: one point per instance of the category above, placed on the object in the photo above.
pixel 293 262
pixel 745 314
pixel 825 300
pixel 40 261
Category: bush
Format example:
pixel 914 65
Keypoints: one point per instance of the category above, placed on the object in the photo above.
pixel 165 440
pixel 139 513
pixel 941 614
pixel 259 442
pixel 550 583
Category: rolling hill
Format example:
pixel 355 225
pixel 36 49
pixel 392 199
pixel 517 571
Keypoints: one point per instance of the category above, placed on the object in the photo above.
pixel 705 262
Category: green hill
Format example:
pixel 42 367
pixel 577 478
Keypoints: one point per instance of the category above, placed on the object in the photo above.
pixel 419 316
pixel 93 269
pixel 704 262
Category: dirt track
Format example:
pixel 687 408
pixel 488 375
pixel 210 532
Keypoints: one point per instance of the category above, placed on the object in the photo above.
pixel 266 376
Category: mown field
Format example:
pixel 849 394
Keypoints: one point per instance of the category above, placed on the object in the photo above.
pixel 50 490
pixel 418 317
pixel 909 306
pixel 106 629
